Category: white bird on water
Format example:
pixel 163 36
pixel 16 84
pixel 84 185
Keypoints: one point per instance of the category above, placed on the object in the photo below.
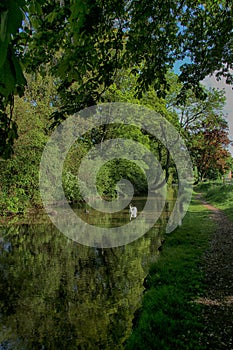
pixel 133 211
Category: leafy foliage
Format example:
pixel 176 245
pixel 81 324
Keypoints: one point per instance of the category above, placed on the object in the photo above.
pixel 87 42
pixel 209 148
pixel 19 175
pixel 12 80
pixel 204 125
pixel 199 121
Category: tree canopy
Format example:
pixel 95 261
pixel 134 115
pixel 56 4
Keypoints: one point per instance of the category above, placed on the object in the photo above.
pixel 86 42
pixel 200 122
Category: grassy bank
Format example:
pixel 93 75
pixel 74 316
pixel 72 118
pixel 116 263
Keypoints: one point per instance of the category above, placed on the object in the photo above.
pixel 169 319
pixel 219 195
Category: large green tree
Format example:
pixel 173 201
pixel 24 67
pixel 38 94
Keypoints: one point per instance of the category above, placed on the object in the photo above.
pixel 203 124
pixel 86 42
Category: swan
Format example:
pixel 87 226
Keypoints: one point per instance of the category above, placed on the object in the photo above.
pixel 133 212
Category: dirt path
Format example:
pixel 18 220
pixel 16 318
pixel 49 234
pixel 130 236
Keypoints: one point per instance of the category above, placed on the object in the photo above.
pixel 218 300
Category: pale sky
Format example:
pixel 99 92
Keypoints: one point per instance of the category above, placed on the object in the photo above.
pixel 212 82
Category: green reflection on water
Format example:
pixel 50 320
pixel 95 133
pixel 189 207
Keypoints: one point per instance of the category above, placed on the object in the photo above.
pixel 57 294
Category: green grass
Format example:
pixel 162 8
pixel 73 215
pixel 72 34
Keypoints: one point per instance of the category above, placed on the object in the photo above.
pixel 220 196
pixel 169 318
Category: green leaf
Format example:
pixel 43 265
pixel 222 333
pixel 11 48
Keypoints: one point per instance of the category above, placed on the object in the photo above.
pixel 3 30
pixel 19 76
pixel 51 17
pixel 7 82
pixel 14 18
pixel 3 51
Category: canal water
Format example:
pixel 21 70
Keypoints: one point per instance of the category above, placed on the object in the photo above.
pixel 58 294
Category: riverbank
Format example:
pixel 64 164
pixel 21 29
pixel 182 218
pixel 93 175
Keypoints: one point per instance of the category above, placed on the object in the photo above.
pixel 173 314
pixel 219 195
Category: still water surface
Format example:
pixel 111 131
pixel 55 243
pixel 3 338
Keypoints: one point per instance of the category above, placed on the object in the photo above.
pixel 58 294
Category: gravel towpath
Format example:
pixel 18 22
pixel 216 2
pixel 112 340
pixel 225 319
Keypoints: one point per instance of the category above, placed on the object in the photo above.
pixel 218 299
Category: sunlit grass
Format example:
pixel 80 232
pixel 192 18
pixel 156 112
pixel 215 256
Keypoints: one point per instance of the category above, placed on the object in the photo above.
pixel 169 319
pixel 219 195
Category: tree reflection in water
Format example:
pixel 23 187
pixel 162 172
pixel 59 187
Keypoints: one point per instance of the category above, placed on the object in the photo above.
pixel 57 294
